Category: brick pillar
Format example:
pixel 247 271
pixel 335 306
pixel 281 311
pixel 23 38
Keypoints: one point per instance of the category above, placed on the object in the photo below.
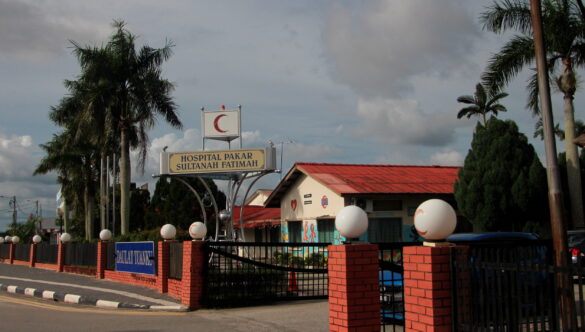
pixel 60 257
pixel 192 281
pixel 33 255
pixel 12 253
pixel 427 289
pixel 162 279
pixel 101 259
pixel 354 288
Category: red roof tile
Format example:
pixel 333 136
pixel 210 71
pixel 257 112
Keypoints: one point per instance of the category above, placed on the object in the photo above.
pixel 255 216
pixel 382 179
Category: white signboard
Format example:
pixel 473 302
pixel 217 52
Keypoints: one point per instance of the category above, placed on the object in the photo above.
pixel 223 125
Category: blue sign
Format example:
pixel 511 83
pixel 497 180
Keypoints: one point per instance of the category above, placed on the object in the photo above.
pixel 135 257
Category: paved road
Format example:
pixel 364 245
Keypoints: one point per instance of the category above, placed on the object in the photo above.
pixel 20 313
pixel 67 283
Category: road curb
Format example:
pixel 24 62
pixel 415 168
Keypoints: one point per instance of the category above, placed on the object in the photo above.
pixel 81 299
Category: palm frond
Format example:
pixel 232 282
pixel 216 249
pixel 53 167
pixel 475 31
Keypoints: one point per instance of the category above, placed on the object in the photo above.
pixel 507 14
pixel 503 66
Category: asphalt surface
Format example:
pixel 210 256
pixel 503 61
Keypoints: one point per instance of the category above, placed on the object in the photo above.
pixel 81 289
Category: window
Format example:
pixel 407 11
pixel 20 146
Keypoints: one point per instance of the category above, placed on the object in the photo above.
pixel 295 231
pixel 275 234
pixel 384 230
pixel 258 234
pixel 387 205
pixel 325 228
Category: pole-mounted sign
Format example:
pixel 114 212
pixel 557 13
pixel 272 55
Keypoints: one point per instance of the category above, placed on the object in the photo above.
pixel 223 161
pixel 221 125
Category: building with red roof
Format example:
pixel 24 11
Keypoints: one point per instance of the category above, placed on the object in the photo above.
pixel 310 195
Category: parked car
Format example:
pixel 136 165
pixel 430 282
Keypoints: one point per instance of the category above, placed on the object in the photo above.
pixel 391 292
pixel 576 245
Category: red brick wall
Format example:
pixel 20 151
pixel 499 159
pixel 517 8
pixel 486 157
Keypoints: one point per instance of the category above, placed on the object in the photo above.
pixel 354 289
pixel 17 262
pixel 427 289
pixel 88 271
pixel 192 280
pixel 175 288
pixel 131 278
pixel 46 266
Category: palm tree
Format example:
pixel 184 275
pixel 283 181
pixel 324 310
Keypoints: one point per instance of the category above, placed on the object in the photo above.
pixel 564 35
pixel 124 92
pixel 75 164
pixel 481 103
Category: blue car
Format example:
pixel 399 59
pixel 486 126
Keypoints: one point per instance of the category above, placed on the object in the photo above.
pixel 391 296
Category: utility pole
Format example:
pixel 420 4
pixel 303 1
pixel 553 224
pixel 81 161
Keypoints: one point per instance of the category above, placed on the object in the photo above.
pixel 14 209
pixel 555 194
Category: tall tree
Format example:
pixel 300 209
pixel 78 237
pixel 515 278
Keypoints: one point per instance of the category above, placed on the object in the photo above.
pixel 481 102
pixel 564 35
pixel 502 185
pixel 125 91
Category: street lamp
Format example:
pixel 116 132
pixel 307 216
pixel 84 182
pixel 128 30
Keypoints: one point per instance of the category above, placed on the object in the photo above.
pixel 65 237
pixel 351 222
pixel 37 239
pixel 435 220
pixel 105 235
pixel 198 230
pixel 168 232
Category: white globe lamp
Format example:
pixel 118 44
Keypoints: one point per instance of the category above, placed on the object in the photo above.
pixel 65 237
pixel 8 239
pixel 1 240
pixel 15 239
pixel 168 232
pixel 105 235
pixel 435 220
pixel 198 230
pixel 37 239
pixel 351 222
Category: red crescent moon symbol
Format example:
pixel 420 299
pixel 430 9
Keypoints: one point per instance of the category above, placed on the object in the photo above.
pixel 216 123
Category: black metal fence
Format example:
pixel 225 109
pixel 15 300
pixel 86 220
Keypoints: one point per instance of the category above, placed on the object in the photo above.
pixel 22 251
pixel 46 253
pixel 515 287
pixel 240 273
pixel 391 284
pixel 5 250
pixel 111 256
pixel 80 254
pixel 176 260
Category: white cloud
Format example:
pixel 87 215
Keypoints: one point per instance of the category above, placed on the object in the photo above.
pixel 18 157
pixel 378 47
pixel 28 31
pixel 447 157
pixel 402 121
pixel 310 153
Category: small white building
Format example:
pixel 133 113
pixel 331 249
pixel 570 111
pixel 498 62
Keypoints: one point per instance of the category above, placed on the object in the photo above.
pixel 311 194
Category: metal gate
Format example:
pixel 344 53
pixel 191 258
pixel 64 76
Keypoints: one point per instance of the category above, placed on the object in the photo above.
pixel 241 273
pixel 514 287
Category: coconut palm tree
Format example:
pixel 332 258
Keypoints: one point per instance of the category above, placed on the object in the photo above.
pixel 124 91
pixel 564 35
pixel 481 104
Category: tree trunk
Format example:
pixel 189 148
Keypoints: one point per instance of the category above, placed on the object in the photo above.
pixel 65 216
pixel 89 206
pixel 573 167
pixel 124 182
pixel 103 196
pixel 567 84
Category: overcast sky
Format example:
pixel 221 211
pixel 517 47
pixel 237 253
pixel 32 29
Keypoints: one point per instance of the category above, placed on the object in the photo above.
pixel 367 81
